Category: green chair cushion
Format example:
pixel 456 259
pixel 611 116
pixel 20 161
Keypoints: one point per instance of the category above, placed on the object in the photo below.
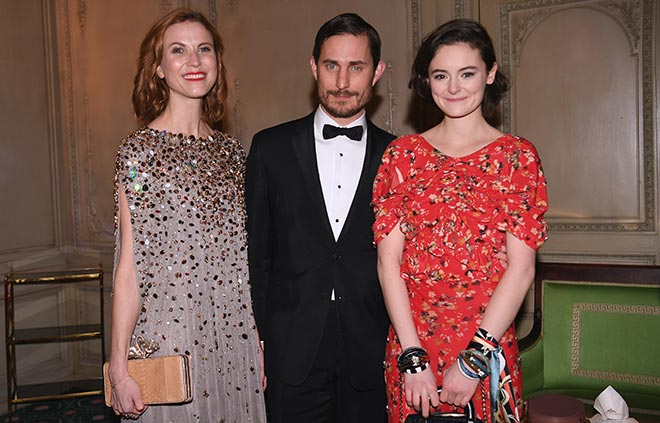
pixel 594 335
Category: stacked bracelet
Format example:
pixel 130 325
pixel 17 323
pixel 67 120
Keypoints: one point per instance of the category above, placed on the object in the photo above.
pixel 475 361
pixel 413 360
pixel 485 354
pixel 465 370
pixel 484 342
pixel 474 364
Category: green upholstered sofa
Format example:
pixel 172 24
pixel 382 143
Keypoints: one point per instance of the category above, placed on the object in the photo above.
pixel 595 325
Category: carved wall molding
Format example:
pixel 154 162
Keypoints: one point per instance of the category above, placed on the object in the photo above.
pixel 519 19
pixel 166 6
pixel 80 142
pixel 465 9
pixel 82 15
pixel 96 225
pixel 236 115
pixel 523 17
pixel 50 32
pixel 458 9
pixel 68 122
pixel 415 24
pixel 388 115
pixel 213 12
pixel 605 258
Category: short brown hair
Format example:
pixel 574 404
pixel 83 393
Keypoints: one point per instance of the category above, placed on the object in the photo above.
pixel 348 23
pixel 455 32
pixel 151 94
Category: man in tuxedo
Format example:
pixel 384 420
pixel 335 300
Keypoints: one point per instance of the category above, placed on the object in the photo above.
pixel 315 290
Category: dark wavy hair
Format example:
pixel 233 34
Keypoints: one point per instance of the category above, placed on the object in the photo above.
pixel 348 23
pixel 454 32
pixel 151 93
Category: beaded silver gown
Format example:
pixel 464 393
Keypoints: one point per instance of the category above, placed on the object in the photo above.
pixel 186 200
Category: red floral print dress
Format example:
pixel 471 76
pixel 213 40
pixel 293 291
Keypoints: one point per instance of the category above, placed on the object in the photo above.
pixel 454 214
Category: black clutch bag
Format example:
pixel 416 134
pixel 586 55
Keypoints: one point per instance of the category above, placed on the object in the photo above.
pixel 466 417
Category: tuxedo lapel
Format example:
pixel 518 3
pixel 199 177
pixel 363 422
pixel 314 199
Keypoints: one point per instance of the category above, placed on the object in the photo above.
pixel 364 189
pixel 305 151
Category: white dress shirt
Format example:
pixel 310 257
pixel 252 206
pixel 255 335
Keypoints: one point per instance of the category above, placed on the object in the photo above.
pixel 340 161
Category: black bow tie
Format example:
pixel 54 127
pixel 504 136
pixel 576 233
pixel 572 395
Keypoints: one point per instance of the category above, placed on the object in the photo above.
pixel 354 133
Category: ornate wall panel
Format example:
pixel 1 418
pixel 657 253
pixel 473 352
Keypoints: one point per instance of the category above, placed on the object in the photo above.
pixel 582 92
pixel 100 44
pixel 28 171
pixel 426 15
pixel 609 258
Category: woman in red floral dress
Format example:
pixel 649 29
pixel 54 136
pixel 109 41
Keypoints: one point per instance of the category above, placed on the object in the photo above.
pixel 447 201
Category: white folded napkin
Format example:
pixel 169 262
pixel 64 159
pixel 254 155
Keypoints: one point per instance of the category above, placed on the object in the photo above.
pixel 612 408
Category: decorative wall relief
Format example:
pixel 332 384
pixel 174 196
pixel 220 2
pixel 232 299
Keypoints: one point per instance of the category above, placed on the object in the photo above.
pixel 609 258
pixel 92 222
pixel 582 91
pixel 626 12
pixel 166 6
pixel 66 86
pixel 213 11
pixel 388 116
pixel 466 9
pixel 237 126
pixel 97 64
pixel 415 25
pixel 82 15
pixel 425 15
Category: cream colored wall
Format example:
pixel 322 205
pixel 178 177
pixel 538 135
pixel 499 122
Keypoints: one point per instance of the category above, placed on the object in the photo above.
pixel 268 56
pixel 584 91
pixel 28 165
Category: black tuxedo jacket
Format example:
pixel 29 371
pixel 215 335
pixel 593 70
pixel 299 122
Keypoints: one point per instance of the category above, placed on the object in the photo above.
pixel 295 262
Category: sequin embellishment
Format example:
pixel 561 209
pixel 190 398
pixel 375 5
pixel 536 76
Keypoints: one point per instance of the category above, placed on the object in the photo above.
pixel 187 208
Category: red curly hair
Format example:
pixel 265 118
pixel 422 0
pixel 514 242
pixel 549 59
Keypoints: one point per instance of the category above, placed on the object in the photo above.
pixel 151 94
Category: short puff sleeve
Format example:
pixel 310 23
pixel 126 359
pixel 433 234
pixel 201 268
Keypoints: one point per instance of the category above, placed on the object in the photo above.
pixel 526 197
pixel 387 197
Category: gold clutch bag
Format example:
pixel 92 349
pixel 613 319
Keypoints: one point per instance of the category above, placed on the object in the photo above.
pixel 162 380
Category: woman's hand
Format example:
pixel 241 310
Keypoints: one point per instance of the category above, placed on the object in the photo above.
pixel 457 389
pixel 126 395
pixel 127 398
pixel 502 257
pixel 421 391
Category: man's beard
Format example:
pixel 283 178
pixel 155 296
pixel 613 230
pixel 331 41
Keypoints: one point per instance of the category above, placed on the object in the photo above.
pixel 344 111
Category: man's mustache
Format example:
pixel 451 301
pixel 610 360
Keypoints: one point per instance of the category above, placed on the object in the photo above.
pixel 343 93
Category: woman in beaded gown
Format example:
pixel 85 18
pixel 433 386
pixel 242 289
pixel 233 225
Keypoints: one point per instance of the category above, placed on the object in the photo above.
pixel 446 202
pixel 181 278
